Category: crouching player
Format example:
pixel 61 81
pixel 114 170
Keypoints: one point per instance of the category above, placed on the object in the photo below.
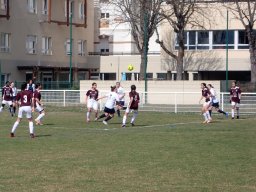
pixel 38 104
pixel 26 100
pixel 132 106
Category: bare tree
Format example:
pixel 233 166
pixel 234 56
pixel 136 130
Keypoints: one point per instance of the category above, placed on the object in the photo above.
pixel 245 11
pixel 142 15
pixel 180 14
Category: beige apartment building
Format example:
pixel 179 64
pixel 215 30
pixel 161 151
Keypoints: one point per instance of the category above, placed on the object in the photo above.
pixel 35 39
pixel 35 42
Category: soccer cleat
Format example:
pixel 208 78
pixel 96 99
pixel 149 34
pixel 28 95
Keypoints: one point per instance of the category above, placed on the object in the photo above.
pixel 32 136
pixel 237 117
pixel 96 119
pixel 105 122
pixel 87 120
pixel 132 124
pixel 12 135
pixel 226 114
pixel 209 121
pixel 123 125
pixel 233 118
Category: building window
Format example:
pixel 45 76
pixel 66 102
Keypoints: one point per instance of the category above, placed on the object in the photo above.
pixel 67 47
pixel 219 39
pixel 31 5
pixel 81 10
pixel 71 8
pixel 243 42
pixel 81 47
pixel 104 15
pixel 45 7
pixel 203 40
pixel 47 45
pixel 5 42
pixel 31 44
pixel 3 4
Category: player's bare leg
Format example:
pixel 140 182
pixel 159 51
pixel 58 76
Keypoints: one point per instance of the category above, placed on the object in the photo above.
pixel 96 115
pixel 40 116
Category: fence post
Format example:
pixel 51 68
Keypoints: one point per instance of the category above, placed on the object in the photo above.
pixel 142 99
pixel 64 98
pixel 222 101
pixel 175 104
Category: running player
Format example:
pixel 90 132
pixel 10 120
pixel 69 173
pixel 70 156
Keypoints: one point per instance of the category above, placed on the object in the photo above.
pixel 91 100
pixel 205 108
pixel 112 100
pixel 14 94
pixel 38 104
pixel 121 94
pixel 235 97
pixel 7 97
pixel 26 101
pixel 215 101
pixel 132 106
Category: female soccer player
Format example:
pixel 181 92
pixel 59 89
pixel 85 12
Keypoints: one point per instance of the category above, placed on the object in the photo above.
pixel 91 100
pixel 132 106
pixel 205 108
pixel 235 97
pixel 112 99
pixel 14 94
pixel 38 104
pixel 26 106
pixel 7 97
pixel 215 101
pixel 121 93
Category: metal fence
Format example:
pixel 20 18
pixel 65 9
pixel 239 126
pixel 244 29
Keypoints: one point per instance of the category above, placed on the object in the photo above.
pixel 177 102
pixel 152 101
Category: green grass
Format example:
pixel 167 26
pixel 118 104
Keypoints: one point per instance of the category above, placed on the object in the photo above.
pixel 164 152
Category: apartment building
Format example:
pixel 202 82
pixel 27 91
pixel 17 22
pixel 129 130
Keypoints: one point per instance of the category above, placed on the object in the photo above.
pixel 36 38
pixel 206 54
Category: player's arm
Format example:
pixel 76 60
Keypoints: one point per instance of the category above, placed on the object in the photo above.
pixel 130 103
pixel 101 97
pixel 86 98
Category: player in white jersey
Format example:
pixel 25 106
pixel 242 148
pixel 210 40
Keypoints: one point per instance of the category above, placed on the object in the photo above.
pixel 112 100
pixel 14 94
pixel 121 94
pixel 215 101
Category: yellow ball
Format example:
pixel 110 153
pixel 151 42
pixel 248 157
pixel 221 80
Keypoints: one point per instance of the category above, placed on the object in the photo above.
pixel 130 67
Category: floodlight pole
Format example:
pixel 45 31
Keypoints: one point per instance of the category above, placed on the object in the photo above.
pixel 145 52
pixel 71 51
pixel 227 42
pixel 0 74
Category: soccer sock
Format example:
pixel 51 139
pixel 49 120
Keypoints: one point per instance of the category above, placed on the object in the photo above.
pixel 102 116
pixel 31 127
pixel 40 117
pixel 88 115
pixel 220 111
pixel 15 125
pixel 124 119
pixel 135 114
pixel 237 112
pixel 108 118
pixel 210 113
pixel 233 113
pixel 118 112
pixel 11 109
pixel 205 117
pixel 1 108
pixel 14 109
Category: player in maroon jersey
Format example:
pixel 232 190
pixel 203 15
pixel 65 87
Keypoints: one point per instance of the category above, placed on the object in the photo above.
pixel 132 106
pixel 235 97
pixel 205 108
pixel 91 101
pixel 38 104
pixel 7 97
pixel 26 100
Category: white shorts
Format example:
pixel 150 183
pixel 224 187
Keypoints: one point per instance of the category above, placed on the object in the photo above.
pixel 91 103
pixel 7 102
pixel 208 103
pixel 39 108
pixel 235 104
pixel 25 109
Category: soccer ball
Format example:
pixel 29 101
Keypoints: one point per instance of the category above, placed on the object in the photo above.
pixel 130 67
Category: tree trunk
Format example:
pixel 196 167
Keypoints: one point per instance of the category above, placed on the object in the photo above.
pixel 142 66
pixel 179 67
pixel 253 66
pixel 252 49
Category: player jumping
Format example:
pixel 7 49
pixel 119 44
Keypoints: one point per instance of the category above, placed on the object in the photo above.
pixel 132 106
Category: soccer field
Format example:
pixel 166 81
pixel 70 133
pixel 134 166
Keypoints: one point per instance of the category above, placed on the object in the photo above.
pixel 163 152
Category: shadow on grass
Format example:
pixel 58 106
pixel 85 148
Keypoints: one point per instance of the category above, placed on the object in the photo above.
pixel 43 135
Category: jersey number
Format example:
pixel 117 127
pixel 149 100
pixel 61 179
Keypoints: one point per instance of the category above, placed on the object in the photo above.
pixel 25 99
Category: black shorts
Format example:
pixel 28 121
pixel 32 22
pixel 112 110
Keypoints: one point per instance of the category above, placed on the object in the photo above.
pixel 110 111
pixel 216 105
pixel 121 103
